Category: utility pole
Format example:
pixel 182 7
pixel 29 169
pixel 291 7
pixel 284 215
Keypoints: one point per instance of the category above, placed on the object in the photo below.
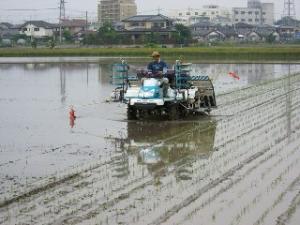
pixel 86 21
pixel 62 16
pixel 289 8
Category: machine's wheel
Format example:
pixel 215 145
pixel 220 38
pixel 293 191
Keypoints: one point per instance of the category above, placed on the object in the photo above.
pixel 183 112
pixel 131 113
pixel 208 111
pixel 173 112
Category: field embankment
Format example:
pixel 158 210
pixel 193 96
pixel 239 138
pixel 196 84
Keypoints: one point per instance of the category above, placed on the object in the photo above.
pixel 205 53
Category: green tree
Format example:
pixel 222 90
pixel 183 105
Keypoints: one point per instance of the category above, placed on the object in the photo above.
pixel 183 34
pixel 33 43
pixel 152 38
pixel 107 34
pixel 67 36
pixel 271 38
pixel 90 39
pixel 16 37
pixel 51 43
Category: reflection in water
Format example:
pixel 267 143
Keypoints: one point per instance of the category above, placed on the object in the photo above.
pixel 249 73
pixel 120 162
pixel 161 144
pixel 104 74
pixel 87 75
pixel 62 83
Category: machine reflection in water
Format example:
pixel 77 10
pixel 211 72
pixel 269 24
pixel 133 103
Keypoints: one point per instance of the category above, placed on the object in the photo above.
pixel 161 146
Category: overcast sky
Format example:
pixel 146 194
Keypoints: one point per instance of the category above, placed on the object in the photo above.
pixel 13 10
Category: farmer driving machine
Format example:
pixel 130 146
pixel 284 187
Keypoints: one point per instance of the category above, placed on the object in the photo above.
pixel 174 94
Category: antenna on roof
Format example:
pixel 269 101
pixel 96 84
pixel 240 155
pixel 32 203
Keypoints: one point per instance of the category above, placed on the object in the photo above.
pixel 159 10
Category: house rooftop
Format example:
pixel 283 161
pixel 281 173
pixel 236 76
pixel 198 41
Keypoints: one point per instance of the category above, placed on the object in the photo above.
pixel 74 23
pixel 144 18
pixel 40 23
pixel 8 25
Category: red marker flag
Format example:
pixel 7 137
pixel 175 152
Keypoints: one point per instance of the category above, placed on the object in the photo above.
pixel 234 75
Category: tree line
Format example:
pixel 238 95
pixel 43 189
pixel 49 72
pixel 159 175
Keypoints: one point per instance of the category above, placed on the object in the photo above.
pixel 108 35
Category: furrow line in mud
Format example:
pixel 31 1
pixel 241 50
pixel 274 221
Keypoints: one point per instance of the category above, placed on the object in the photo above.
pixel 232 181
pixel 233 120
pixel 248 205
pixel 276 185
pixel 259 97
pixel 206 188
pixel 36 190
pixel 71 175
pixel 232 185
pixel 50 183
pixel 263 84
pixel 232 160
pixel 239 112
pixel 135 181
pixel 247 133
pixel 283 218
pixel 295 203
pixel 267 101
pixel 91 213
pixel 172 138
pixel 228 104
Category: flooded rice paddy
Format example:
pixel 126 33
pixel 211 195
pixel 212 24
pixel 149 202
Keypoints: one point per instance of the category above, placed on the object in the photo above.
pixel 241 165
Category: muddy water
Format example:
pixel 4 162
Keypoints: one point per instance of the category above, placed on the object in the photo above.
pixel 102 169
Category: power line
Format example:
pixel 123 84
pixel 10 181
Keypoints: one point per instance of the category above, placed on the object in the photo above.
pixel 289 8
pixel 18 10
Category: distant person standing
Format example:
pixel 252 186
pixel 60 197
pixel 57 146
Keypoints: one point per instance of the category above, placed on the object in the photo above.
pixel 159 68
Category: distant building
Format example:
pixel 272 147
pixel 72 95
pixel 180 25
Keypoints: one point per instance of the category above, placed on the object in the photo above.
pixel 138 27
pixel 288 21
pixel 38 29
pixel 221 20
pixel 241 32
pixel 74 25
pixel 256 13
pixel 190 16
pixel 267 13
pixel 113 11
pixel 148 22
pixel 7 30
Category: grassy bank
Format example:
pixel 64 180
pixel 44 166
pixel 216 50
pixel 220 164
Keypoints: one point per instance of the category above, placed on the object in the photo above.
pixel 213 53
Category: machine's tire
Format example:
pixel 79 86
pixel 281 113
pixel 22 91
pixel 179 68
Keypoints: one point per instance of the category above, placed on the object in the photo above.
pixel 173 112
pixel 208 111
pixel 131 113
pixel 183 112
pixel 144 114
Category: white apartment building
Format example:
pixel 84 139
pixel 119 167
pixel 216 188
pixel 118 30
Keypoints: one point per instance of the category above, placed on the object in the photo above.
pixel 256 13
pixel 190 16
